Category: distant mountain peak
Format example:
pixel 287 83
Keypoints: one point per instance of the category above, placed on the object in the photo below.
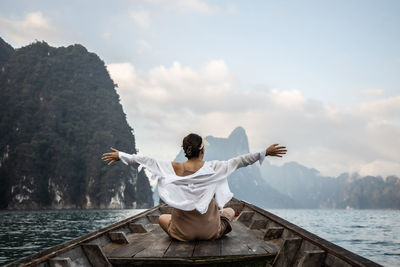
pixel 238 132
pixel 238 138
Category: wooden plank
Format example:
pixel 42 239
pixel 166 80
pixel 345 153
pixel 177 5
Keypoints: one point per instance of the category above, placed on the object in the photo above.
pixel 333 261
pixel 231 245
pixel 153 218
pixel 142 220
pixel 102 241
pixel 305 246
pixel 258 247
pixel 166 210
pixel 243 230
pixel 151 227
pixel 77 256
pixel 155 249
pixel 180 249
pixel 313 258
pixel 228 261
pixel 137 228
pixel 95 255
pixel 287 252
pixel 118 237
pixel 246 217
pixel 259 224
pixel 60 262
pixel 134 239
pixel 207 248
pixel 273 233
pixel 138 242
pixel 157 230
pixel 254 241
pixel 235 243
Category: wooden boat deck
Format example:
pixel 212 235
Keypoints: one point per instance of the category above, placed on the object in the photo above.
pixel 155 244
pixel 258 238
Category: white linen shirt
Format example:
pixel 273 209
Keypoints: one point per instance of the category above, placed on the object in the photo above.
pixel 196 190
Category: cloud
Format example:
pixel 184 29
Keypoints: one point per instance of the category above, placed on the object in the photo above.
pixel 383 108
pixel 165 103
pixel 141 18
pixel 375 168
pixel 33 26
pixel 191 6
pixel 372 92
pixel 124 74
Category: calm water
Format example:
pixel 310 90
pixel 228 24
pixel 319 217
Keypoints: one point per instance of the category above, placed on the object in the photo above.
pixel 374 234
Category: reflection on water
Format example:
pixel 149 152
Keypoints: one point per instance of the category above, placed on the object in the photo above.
pixel 23 233
pixel 374 234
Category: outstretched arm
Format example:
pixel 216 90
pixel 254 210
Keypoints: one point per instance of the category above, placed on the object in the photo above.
pixel 126 158
pixel 150 164
pixel 231 165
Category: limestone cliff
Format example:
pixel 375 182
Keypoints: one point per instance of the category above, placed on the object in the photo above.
pixel 59 111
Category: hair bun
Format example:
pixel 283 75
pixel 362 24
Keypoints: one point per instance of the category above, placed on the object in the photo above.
pixel 191 145
pixel 189 150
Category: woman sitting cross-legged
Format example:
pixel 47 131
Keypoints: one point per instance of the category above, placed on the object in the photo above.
pixel 196 189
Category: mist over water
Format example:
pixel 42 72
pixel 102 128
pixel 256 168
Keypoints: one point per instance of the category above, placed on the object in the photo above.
pixel 374 234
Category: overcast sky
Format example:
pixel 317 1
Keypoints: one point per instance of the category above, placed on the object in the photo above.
pixel 322 77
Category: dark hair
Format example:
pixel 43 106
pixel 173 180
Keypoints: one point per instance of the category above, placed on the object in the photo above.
pixel 191 145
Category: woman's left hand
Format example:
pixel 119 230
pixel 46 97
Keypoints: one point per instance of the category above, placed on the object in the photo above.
pixel 275 150
pixel 111 157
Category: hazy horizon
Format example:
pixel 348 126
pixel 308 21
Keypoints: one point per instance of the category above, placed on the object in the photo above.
pixel 321 78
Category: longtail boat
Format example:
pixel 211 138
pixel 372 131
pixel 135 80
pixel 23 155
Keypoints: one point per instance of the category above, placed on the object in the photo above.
pixel 258 238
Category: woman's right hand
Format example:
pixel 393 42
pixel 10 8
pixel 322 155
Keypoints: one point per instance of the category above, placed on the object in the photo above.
pixel 111 157
pixel 275 150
